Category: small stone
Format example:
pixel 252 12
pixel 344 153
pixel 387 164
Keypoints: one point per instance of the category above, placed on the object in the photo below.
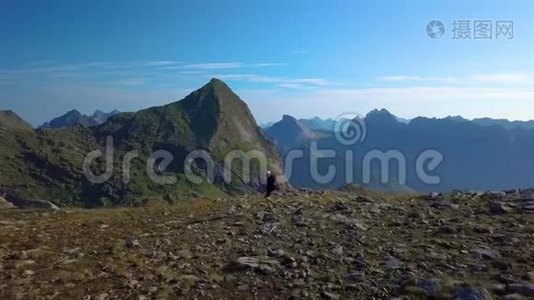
pixel 528 208
pixel 267 228
pixel 513 297
pixel 103 296
pixel 523 289
pixel 337 250
pixel 481 229
pixel 394 264
pixel 68 261
pixel 486 254
pixel 29 272
pixel 362 199
pixel 299 221
pixel 267 216
pixel 276 252
pixel 432 287
pixel 472 293
pixel 446 229
pixel 347 221
pixel 356 276
pixel 329 295
pixel 258 263
pixel 499 208
pixel 24 263
pixel 435 196
pixel 339 206
pixel 498 288
pixel 132 243
pixel 188 280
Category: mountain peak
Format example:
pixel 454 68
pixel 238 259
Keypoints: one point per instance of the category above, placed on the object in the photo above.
pixel 74 117
pixel 9 119
pixel 73 112
pixel 380 116
pixel 217 84
pixel 288 118
pixel 212 118
pixel 289 133
pixel 382 111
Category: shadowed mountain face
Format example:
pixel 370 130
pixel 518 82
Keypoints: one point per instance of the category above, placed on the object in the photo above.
pixel 505 123
pixel 317 123
pixel 9 119
pixel 212 118
pixel 74 117
pixel 475 157
pixel 289 133
pixel 47 163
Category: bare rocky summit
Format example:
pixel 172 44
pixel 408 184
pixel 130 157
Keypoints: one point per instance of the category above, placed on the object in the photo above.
pixel 304 245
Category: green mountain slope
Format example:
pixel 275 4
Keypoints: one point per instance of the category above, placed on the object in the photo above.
pixel 48 163
pixel 9 119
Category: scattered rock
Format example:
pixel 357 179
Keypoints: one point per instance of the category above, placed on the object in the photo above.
pixel 514 297
pixel 528 207
pixel 132 242
pixel 266 216
pixel 337 250
pixel 523 289
pixel 347 221
pixel 276 252
pixel 394 264
pixel 499 208
pixel 262 264
pixel 486 254
pixel 472 293
pixel 339 207
pixel 4 204
pixel 432 287
pixel 362 199
pixel 447 229
pixel 267 228
pixel 299 220
pixel 328 295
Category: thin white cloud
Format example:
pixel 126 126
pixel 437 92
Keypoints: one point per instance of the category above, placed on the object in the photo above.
pixel 406 102
pixel 102 67
pixel 505 78
pixel 279 81
pixel 492 78
pixel 228 65
pixel 406 78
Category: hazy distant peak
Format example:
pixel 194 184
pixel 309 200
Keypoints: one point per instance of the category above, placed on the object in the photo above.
pixel 9 119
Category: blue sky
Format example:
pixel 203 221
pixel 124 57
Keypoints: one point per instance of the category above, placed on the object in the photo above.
pixel 303 58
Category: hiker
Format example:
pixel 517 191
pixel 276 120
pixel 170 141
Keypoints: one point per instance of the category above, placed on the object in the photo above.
pixel 271 184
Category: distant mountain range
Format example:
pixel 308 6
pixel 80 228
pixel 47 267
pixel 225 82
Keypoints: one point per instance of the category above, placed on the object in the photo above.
pixel 289 134
pixel 482 154
pixel 74 117
pixel 477 155
pixel 317 123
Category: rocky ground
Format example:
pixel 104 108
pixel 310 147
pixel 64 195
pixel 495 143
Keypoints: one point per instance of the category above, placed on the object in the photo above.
pixel 299 245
